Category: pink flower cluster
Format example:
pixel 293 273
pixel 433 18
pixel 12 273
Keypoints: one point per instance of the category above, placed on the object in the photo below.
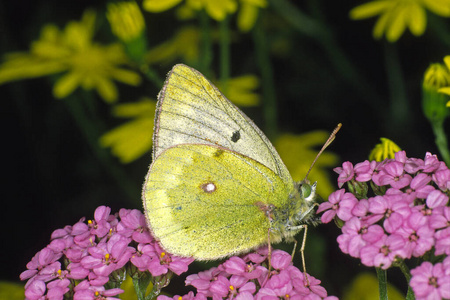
pixel 90 260
pixel 406 215
pixel 247 278
pixel 81 259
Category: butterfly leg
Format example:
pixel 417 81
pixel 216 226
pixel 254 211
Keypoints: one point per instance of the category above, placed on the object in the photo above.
pixel 302 248
pixel 302 252
pixel 270 252
pixel 293 250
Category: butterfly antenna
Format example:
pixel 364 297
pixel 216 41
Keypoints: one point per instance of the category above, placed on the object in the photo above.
pixel 327 143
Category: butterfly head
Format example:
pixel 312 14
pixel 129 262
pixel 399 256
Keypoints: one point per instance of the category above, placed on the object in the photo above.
pixel 306 202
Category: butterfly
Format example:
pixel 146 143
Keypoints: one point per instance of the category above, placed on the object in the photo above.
pixel 217 187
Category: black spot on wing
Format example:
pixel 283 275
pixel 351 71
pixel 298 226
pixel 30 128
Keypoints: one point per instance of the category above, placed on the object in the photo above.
pixel 236 136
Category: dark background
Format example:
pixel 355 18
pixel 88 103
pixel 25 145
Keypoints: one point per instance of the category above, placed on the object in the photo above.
pixel 52 177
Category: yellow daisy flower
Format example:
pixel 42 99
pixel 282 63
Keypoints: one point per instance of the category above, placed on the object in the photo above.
pixel 383 150
pixel 87 64
pixel 397 15
pixel 299 151
pixel 133 139
pixel 216 9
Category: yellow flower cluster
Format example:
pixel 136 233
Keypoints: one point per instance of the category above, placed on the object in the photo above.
pixel 383 150
pixel 216 9
pixel 397 15
pixel 87 64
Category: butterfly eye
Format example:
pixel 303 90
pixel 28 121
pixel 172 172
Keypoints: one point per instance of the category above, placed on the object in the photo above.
pixel 308 191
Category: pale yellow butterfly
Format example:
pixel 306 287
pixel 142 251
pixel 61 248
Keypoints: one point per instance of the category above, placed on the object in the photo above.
pixel 216 186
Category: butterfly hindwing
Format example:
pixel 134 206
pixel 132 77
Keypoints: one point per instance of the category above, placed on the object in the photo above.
pixel 201 201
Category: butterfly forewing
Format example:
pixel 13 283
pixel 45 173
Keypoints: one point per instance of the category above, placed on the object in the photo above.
pixel 191 110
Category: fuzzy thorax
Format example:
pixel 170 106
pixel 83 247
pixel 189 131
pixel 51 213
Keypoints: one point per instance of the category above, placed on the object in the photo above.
pixel 288 220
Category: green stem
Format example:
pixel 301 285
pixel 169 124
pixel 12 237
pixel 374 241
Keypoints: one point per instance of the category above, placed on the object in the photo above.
pixel 382 283
pixel 405 270
pixel 151 75
pixel 399 108
pixel 268 86
pixel 441 140
pixel 224 54
pixel 91 130
pixel 206 52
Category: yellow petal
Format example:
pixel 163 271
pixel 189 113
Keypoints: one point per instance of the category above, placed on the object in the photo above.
pixel 106 89
pixel 22 66
pixel 50 33
pixel 126 76
pixel 157 6
pixel 397 25
pixel 383 150
pixel 66 85
pixel 185 44
pixel 247 17
pixel 417 19
pixel 436 76
pixel 88 21
pixel 445 90
pixel 130 140
pixel 381 25
pixel 144 108
pixel 370 9
pixel 219 9
pixel 195 4
pixel 439 7
pixel 447 61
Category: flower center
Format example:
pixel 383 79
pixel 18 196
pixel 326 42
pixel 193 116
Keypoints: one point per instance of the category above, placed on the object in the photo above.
pixel 432 281
pixel 363 230
pixel 413 237
pixel 388 213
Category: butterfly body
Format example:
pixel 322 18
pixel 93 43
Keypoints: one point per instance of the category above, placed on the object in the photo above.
pixel 216 186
